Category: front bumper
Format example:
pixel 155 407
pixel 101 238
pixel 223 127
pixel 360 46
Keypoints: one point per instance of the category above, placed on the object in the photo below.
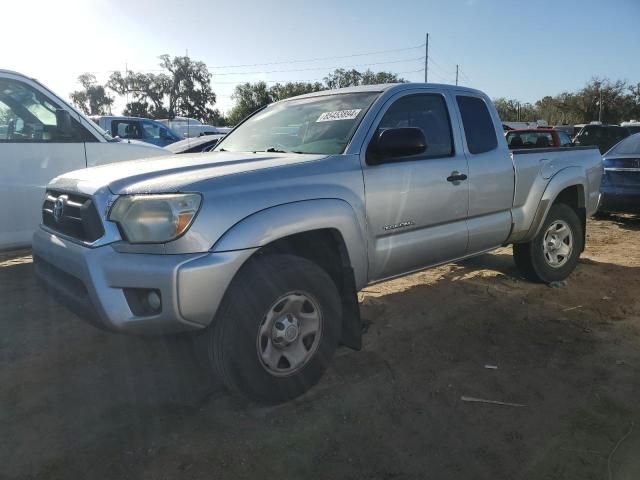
pixel 92 283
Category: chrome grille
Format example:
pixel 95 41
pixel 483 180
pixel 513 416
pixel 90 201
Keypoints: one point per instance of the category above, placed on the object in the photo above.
pixel 72 215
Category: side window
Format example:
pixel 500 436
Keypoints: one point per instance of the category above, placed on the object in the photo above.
pixel 26 115
pixel 565 141
pixel 427 112
pixel 126 129
pixel 151 130
pixel 478 125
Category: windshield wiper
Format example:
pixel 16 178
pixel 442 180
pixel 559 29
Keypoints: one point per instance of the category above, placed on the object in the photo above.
pixel 271 150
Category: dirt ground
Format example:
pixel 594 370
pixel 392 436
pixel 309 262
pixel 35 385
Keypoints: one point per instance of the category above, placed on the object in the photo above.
pixel 77 403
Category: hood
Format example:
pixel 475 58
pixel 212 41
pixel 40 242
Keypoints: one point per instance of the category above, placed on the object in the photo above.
pixel 171 173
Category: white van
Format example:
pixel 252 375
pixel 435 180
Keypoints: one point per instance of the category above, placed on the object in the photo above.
pixel 41 137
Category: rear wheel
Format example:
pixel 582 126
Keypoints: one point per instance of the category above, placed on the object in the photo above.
pixel 277 328
pixel 553 254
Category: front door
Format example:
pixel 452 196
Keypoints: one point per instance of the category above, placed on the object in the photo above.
pixel 417 206
pixel 33 150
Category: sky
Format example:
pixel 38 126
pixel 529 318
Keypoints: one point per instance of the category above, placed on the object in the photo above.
pixel 514 49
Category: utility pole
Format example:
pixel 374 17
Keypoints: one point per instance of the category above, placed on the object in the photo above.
pixel 126 82
pixel 426 59
pixel 457 68
pixel 600 105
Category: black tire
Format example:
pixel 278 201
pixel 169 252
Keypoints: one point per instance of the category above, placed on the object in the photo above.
pixel 231 341
pixel 530 257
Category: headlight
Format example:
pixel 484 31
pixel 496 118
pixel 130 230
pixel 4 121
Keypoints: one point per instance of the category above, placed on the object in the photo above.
pixel 155 218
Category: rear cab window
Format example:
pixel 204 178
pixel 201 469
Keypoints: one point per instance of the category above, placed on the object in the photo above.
pixel 529 139
pixel 479 130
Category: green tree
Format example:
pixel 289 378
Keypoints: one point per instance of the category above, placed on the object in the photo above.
pixel 190 92
pixel 280 91
pixel 93 98
pixel 148 92
pixel 182 89
pixel 371 78
pixel 248 98
pixel 340 78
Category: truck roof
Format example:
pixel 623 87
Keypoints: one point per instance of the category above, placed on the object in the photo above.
pixel 13 72
pixel 383 87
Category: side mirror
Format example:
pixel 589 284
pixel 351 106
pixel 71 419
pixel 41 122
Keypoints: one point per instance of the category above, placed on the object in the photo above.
pixel 395 143
pixel 64 123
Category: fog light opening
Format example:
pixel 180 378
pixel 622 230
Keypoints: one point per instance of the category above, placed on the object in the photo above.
pixel 144 302
pixel 153 301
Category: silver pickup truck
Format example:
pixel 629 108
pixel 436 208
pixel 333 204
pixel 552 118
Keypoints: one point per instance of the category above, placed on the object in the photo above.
pixel 262 245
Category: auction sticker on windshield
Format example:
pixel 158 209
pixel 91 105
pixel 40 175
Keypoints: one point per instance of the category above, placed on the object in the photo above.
pixel 339 115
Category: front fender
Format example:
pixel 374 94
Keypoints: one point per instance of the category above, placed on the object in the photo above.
pixel 268 225
pixel 565 178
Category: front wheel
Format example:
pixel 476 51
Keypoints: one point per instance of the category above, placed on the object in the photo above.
pixel 277 329
pixel 554 253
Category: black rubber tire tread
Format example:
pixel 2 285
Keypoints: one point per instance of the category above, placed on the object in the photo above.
pixel 529 257
pixel 232 337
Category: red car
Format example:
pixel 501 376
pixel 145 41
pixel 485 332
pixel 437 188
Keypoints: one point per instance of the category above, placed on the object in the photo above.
pixel 537 138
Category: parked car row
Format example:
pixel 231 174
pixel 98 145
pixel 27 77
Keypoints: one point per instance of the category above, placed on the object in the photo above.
pixel 190 127
pixel 135 128
pixel 537 138
pixel 602 136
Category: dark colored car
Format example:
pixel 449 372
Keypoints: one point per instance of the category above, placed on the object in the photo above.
pixel 620 186
pixel 603 136
pixel 537 138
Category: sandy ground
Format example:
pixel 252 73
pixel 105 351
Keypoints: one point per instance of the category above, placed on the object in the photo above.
pixel 77 403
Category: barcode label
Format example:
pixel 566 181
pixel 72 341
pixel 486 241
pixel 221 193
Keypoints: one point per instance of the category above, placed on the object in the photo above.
pixel 339 115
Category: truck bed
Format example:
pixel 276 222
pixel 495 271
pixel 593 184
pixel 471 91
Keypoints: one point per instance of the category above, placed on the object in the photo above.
pixel 536 168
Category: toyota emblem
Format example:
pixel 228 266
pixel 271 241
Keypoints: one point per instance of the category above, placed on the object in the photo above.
pixel 58 208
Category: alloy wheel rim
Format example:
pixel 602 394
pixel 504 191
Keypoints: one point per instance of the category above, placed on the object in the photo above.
pixel 557 244
pixel 289 334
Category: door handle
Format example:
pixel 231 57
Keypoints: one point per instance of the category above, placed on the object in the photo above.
pixel 456 177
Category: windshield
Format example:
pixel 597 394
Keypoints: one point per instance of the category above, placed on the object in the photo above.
pixel 322 125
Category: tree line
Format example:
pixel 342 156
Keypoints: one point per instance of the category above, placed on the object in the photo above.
pixel 183 87
pixel 620 101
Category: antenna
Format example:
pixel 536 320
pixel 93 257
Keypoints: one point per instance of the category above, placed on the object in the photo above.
pixel 426 58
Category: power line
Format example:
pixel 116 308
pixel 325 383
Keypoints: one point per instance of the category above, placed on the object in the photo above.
pixel 317 59
pixel 319 68
pixel 283 62
pixel 439 70
pixel 308 80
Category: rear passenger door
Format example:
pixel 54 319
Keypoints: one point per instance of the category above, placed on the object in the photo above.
pixel 415 210
pixel 491 173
